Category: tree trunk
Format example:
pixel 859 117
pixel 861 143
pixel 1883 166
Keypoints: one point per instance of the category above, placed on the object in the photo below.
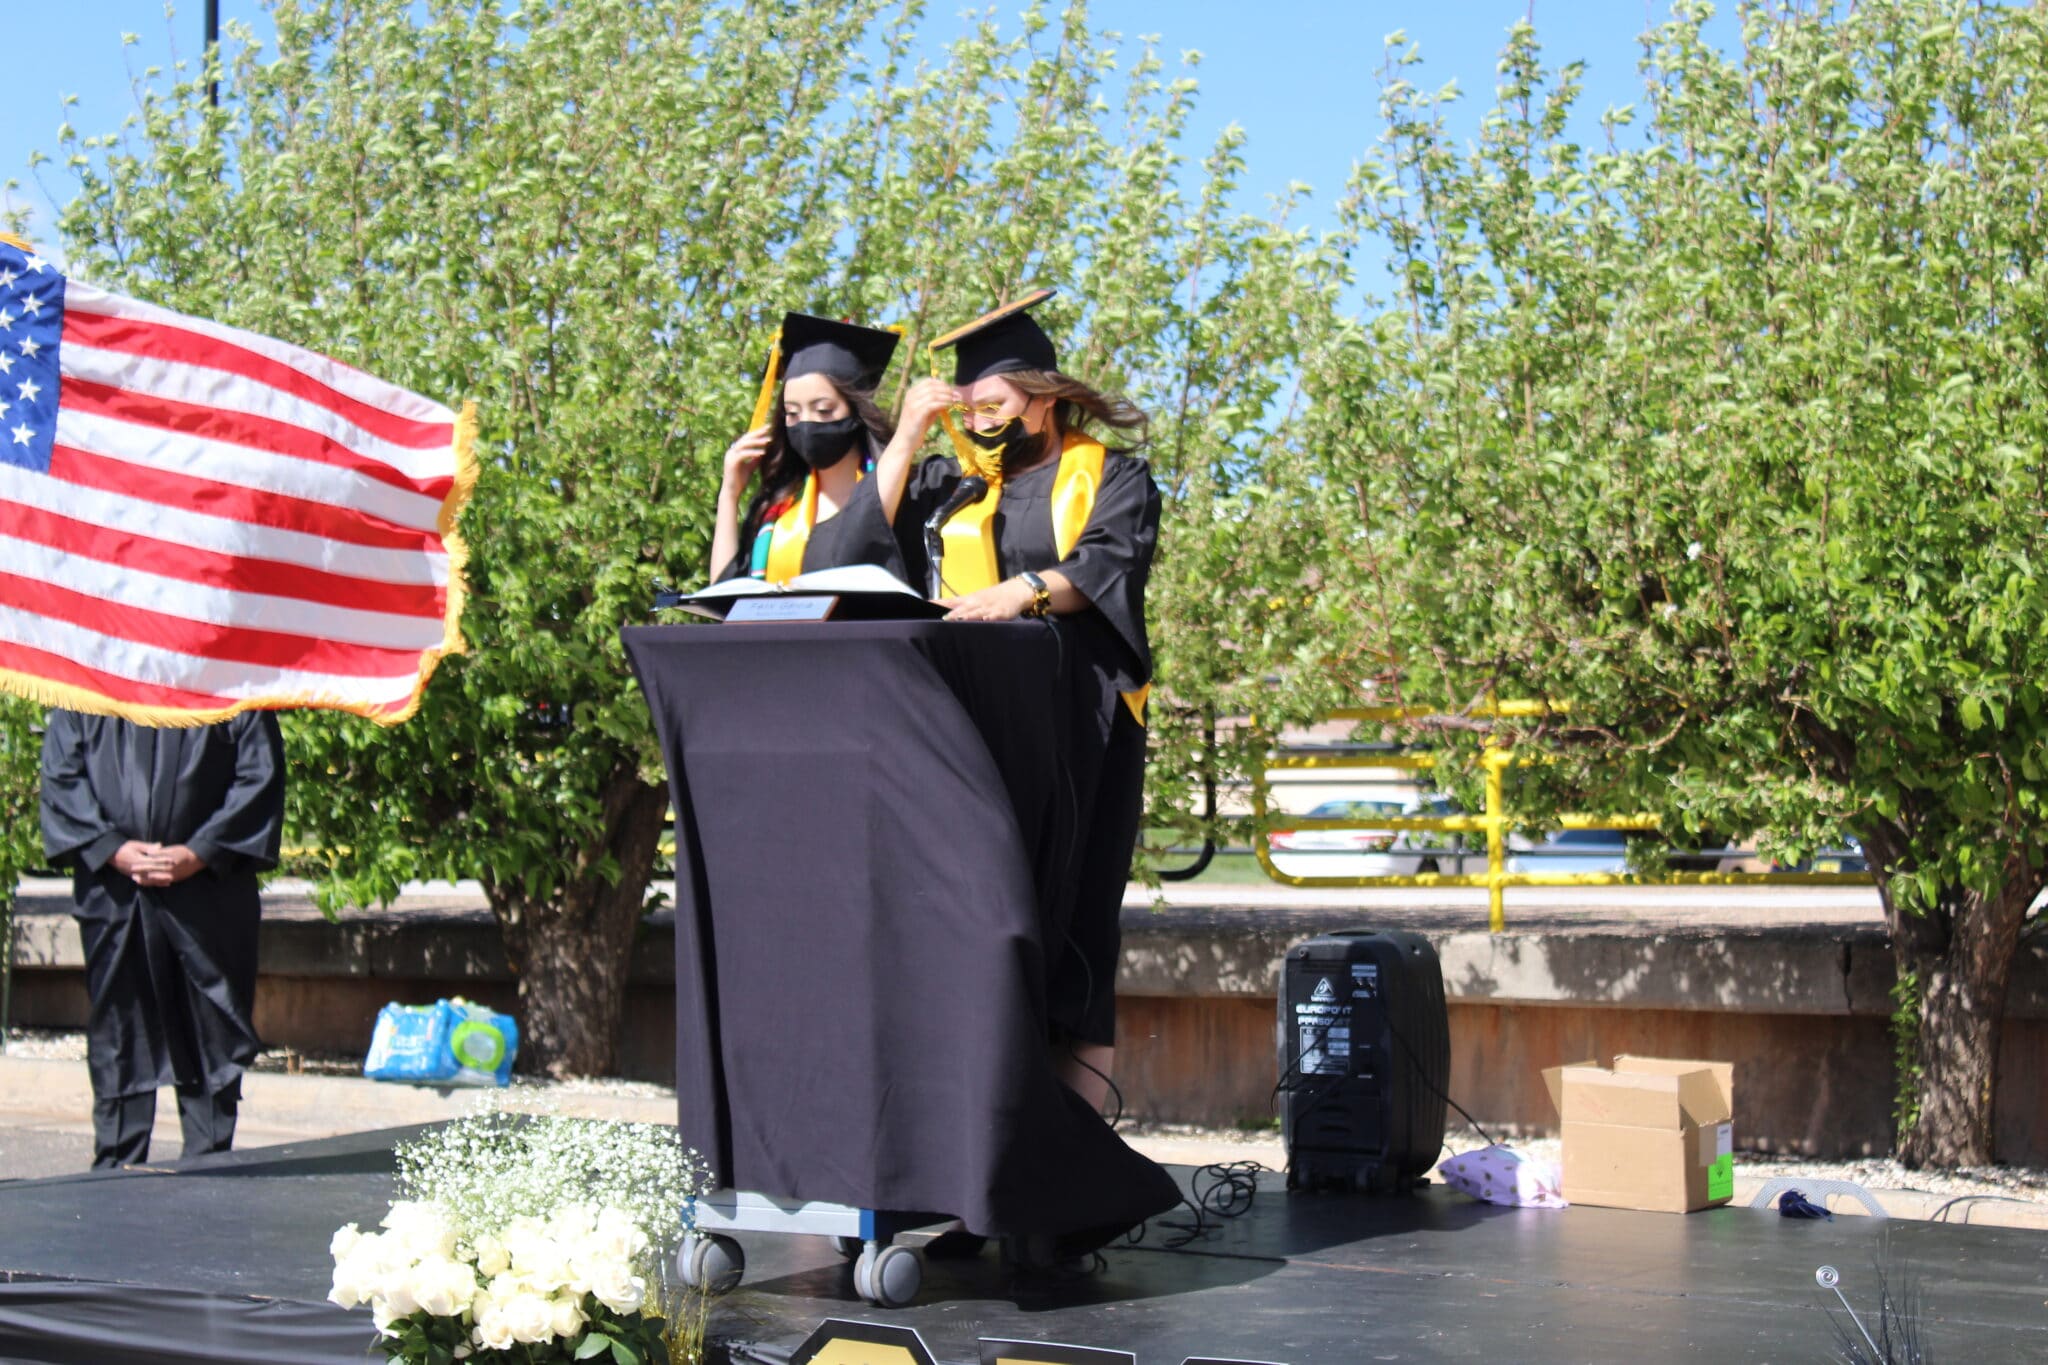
pixel 570 950
pixel 1961 956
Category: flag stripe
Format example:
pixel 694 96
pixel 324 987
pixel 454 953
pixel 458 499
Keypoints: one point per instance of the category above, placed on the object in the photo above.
pixel 41 664
pixel 121 587
pixel 172 378
pixel 258 469
pixel 129 330
pixel 222 679
pixel 136 516
pixel 235 503
pixel 212 421
pixel 159 630
pixel 238 572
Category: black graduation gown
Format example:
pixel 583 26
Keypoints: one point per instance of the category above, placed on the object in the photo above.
pixel 171 969
pixel 858 534
pixel 1111 654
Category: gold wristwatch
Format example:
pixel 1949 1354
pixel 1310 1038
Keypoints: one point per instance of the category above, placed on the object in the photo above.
pixel 1041 595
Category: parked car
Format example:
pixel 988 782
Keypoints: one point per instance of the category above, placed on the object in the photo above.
pixel 1368 852
pixel 1574 850
pixel 1428 850
pixel 1335 852
pixel 1846 856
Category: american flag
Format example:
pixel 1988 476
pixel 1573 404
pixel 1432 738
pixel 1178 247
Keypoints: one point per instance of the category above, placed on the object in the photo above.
pixel 196 520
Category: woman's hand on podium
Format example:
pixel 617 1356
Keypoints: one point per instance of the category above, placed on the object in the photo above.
pixel 1006 601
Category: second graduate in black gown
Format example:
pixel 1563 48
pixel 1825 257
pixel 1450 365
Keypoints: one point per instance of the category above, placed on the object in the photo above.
pixel 1065 532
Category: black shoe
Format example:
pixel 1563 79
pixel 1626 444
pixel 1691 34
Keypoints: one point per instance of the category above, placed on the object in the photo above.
pixel 956 1245
pixel 1044 1258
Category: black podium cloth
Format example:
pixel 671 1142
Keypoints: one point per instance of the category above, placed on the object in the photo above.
pixel 863 814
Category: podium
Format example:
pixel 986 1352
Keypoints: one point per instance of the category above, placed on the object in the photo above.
pixel 871 818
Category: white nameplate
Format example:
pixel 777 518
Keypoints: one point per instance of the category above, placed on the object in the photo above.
pixel 783 607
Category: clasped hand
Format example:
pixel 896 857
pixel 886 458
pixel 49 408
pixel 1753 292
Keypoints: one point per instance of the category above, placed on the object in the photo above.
pixel 155 864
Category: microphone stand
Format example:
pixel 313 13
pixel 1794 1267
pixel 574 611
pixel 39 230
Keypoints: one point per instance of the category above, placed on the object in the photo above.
pixel 973 488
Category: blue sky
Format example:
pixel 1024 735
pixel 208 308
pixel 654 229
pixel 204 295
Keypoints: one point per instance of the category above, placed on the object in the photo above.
pixel 1297 74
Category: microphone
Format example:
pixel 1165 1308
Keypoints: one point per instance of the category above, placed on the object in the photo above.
pixel 973 488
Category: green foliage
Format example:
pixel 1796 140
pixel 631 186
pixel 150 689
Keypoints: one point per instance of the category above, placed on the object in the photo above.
pixel 21 844
pixel 1906 1070
pixel 1730 435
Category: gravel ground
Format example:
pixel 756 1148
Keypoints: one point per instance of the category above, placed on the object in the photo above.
pixel 70 1047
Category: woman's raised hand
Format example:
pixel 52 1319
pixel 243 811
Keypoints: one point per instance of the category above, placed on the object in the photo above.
pixel 925 404
pixel 743 456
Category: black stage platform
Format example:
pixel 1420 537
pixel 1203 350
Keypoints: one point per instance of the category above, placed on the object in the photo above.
pixel 228 1262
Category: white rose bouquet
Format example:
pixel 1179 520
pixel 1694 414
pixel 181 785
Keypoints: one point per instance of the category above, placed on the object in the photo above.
pixel 527 1240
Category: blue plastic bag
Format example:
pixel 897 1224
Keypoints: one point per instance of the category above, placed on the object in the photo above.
pixel 450 1042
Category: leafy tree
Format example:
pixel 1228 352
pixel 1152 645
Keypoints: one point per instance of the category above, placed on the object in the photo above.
pixel 587 218
pixel 1730 433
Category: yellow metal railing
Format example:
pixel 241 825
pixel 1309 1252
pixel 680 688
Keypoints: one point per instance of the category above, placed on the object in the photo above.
pixel 1492 822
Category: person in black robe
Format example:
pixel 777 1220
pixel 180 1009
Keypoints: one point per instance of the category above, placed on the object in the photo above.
pixel 1019 411
pixel 825 427
pixel 164 831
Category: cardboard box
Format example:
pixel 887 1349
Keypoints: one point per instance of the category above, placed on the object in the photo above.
pixel 1648 1133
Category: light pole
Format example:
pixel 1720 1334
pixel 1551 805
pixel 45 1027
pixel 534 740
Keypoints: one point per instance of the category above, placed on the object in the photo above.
pixel 212 47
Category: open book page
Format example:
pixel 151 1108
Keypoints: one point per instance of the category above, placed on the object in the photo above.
pixel 851 578
pixel 848 578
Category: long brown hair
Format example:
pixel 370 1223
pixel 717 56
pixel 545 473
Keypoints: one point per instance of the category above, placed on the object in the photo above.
pixel 781 473
pixel 1078 406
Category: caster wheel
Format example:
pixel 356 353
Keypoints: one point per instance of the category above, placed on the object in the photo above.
pixel 895 1277
pixel 714 1264
pixel 849 1248
pixel 863 1272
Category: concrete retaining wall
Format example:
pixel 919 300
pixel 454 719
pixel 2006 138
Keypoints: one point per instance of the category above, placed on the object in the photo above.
pixel 1801 1012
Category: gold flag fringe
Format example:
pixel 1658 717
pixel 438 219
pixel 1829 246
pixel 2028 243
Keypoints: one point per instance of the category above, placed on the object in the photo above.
pixel 45 692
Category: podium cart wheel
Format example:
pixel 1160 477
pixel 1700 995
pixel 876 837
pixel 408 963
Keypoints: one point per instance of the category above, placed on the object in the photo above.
pixel 714 1263
pixel 895 1277
pixel 849 1248
pixel 863 1271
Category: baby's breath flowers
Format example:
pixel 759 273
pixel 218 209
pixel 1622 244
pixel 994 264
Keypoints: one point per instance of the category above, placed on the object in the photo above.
pixel 495 1165
pixel 524 1237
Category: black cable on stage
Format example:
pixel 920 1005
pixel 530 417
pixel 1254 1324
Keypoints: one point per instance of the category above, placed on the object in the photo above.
pixel 1118 1117
pixel 1416 1062
pixel 1222 1190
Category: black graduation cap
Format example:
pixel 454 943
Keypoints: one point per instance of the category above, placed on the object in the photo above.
pixel 853 355
pixel 1001 342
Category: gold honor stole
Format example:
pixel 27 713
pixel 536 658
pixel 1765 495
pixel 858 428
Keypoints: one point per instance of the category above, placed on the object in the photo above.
pixel 792 533
pixel 967 543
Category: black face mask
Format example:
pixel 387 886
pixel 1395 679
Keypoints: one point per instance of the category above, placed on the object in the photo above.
pixel 824 444
pixel 1017 448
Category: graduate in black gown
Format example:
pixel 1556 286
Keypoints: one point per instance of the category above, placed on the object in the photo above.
pixel 1065 533
pixel 164 831
pixel 814 505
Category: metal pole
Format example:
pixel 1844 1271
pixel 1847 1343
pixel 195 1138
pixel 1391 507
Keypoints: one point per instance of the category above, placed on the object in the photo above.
pixel 212 49
pixel 6 963
pixel 1496 840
